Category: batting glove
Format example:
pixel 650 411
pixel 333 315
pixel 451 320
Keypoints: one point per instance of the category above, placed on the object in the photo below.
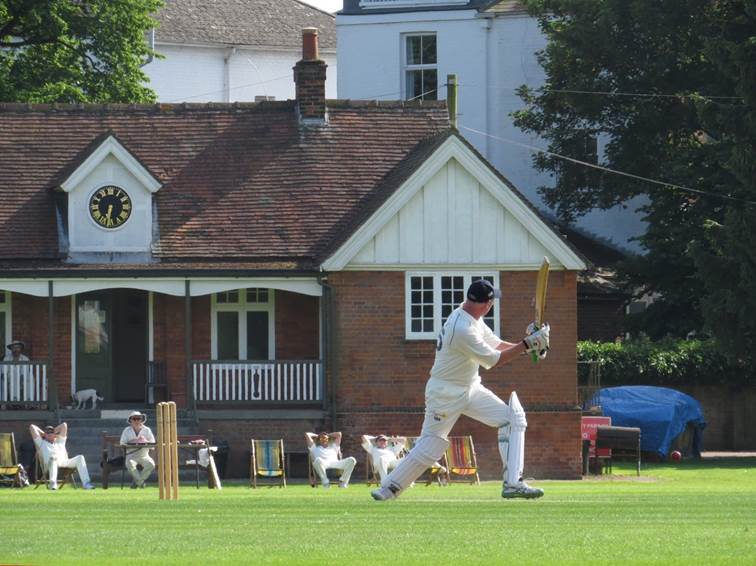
pixel 538 340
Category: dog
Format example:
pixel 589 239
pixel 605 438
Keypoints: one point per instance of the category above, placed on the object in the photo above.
pixel 81 398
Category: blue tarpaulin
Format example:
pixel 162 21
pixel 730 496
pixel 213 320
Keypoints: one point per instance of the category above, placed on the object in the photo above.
pixel 661 414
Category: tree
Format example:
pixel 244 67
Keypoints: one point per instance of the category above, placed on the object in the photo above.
pixel 670 86
pixel 74 50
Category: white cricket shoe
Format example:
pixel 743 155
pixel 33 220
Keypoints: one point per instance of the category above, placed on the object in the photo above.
pixel 521 490
pixel 382 494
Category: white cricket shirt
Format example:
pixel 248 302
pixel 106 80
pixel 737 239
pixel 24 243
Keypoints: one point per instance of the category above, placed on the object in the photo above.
pixel 128 436
pixel 464 345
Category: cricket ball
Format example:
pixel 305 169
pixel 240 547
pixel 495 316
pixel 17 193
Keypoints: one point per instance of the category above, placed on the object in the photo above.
pixel 675 455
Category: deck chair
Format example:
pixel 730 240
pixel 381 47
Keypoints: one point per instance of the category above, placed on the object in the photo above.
pixel 371 474
pixel 437 472
pixel 267 460
pixel 11 471
pixel 65 475
pixel 462 463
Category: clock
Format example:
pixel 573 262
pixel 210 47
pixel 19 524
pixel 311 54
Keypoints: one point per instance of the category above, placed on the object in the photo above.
pixel 110 207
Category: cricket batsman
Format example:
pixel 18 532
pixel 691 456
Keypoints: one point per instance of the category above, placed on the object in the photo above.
pixel 455 389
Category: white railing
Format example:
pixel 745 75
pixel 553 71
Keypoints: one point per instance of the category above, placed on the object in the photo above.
pixel 258 381
pixel 23 382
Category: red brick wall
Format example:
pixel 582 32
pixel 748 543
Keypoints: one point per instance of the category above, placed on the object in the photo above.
pixel 297 326
pixel 30 324
pixel 380 374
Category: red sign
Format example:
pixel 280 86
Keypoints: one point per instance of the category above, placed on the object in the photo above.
pixel 588 426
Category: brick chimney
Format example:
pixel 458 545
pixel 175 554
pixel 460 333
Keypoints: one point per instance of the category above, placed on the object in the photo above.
pixel 310 77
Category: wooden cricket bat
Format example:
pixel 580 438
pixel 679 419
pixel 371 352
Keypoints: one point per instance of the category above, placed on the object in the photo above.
pixel 213 471
pixel 540 298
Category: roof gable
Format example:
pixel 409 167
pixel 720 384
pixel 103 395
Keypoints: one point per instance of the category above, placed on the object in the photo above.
pixel 430 221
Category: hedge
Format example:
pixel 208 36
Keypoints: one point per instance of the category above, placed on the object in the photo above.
pixel 665 363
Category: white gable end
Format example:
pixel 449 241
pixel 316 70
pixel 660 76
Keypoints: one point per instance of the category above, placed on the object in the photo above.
pixel 453 212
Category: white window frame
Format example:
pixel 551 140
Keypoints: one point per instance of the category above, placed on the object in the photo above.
pixel 242 307
pixel 407 67
pixel 6 308
pixel 469 277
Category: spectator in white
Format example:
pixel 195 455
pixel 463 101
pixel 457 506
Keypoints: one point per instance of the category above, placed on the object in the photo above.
pixel 137 433
pixel 51 443
pixel 324 451
pixel 384 452
pixel 15 352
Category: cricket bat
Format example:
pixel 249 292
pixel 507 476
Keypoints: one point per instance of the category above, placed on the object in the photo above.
pixel 213 472
pixel 540 298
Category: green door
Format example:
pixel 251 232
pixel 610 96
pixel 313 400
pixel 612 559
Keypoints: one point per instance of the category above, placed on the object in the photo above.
pixel 94 360
pixel 130 342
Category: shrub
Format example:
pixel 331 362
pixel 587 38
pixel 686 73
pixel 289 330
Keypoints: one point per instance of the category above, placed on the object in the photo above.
pixel 667 362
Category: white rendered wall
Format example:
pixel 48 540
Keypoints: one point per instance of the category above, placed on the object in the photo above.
pixel 491 58
pixel 225 74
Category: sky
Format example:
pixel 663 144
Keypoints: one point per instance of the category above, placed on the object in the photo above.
pixel 327 5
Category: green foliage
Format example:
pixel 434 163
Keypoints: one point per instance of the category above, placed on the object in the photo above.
pixel 697 128
pixel 665 363
pixel 74 50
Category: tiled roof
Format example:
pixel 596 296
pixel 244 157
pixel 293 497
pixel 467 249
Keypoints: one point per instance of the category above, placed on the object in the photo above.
pixel 240 182
pixel 275 23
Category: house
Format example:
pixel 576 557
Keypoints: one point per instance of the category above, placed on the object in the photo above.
pixel 234 50
pixel 406 48
pixel 285 265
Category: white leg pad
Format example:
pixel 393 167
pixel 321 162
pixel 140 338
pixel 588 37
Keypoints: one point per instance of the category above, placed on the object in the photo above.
pixel 512 442
pixel 427 450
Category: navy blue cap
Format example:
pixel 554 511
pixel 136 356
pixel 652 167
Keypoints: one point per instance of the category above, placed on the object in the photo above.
pixel 481 291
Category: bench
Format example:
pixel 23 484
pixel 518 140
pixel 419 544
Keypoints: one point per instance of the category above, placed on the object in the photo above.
pixel 112 459
pixel 621 440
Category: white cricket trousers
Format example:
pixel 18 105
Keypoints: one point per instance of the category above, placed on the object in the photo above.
pixel 444 404
pixel 346 466
pixel 77 462
pixel 383 466
pixel 147 463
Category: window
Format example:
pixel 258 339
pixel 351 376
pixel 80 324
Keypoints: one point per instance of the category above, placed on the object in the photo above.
pixel 431 297
pixel 420 72
pixel 5 318
pixel 242 325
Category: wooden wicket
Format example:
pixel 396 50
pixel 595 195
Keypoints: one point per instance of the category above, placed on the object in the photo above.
pixel 167 451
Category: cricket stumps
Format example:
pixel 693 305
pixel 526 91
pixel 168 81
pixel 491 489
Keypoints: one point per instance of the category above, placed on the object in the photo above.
pixel 167 451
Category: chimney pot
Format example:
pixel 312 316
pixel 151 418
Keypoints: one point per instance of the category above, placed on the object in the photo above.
pixel 310 44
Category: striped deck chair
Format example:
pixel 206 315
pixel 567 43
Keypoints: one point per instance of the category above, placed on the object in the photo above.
pixel 437 472
pixel 267 460
pixel 10 469
pixel 462 463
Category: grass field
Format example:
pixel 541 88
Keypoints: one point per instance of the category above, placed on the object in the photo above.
pixel 692 513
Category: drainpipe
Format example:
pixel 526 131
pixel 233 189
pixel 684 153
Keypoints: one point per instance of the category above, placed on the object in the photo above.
pixel 227 73
pixel 52 383
pixel 329 401
pixel 151 56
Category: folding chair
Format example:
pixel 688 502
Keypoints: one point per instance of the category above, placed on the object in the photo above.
pixel 462 463
pixel 438 472
pixel 267 461
pixel 65 475
pixel 10 469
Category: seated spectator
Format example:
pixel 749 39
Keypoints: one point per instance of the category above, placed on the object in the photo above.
pixel 51 443
pixel 324 453
pixel 15 352
pixel 384 452
pixel 137 433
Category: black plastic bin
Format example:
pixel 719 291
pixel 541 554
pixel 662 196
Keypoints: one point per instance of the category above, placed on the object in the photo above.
pixel 221 457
